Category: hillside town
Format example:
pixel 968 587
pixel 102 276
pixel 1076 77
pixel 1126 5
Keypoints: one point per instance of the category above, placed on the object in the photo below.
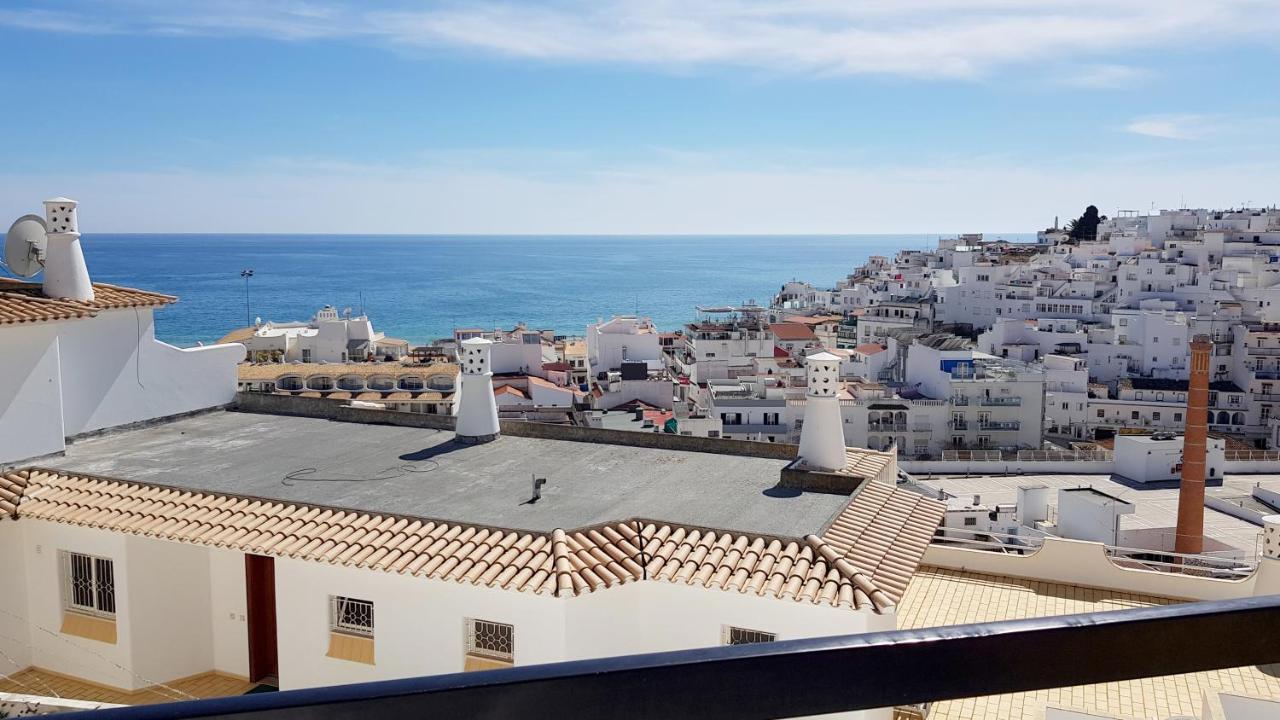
pixel 950 439
pixel 976 349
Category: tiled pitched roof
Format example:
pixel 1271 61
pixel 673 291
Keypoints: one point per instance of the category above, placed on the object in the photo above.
pixel 792 331
pixel 24 302
pixel 885 531
pixel 562 563
pixel 237 335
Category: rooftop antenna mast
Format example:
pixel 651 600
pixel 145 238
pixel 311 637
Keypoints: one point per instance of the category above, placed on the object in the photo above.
pixel 246 274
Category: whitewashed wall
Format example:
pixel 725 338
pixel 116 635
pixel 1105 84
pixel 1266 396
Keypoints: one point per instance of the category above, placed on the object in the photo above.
pixel 229 624
pixel 662 616
pixel 1075 562
pixel 168 609
pixel 30 392
pixel 88 659
pixel 418 623
pixel 115 372
pixel 15 633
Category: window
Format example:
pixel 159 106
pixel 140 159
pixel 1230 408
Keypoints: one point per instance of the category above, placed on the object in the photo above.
pixel 1155 416
pixel 491 640
pixel 350 616
pixel 1133 415
pixel 1101 412
pixel 970 521
pixel 1177 417
pixel 88 585
pixel 742 636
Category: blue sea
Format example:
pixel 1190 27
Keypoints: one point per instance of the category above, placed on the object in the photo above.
pixel 421 287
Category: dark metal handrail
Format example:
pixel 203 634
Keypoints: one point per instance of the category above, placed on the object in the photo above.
pixel 800 677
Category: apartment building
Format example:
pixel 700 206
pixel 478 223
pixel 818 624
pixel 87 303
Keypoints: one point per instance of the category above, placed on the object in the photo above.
pixel 327 337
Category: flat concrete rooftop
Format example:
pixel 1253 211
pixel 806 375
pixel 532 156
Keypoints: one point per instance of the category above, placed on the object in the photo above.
pixel 426 473
pixel 1156 510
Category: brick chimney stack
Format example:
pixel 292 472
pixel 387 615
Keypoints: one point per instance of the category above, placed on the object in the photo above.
pixel 1190 531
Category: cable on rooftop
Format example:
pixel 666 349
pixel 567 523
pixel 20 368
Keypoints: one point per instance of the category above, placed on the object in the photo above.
pixel 307 474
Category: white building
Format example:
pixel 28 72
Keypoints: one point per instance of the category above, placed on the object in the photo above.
pixel 623 338
pixel 328 337
pixel 995 402
pixel 723 343
pixel 179 580
pixel 73 366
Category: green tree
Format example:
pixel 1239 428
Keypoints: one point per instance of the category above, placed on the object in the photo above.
pixel 1085 227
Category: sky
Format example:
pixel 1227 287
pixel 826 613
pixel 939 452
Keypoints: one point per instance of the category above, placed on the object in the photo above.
pixel 634 116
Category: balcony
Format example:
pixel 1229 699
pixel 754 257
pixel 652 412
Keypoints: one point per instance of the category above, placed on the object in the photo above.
pixel 999 425
pixel 960 400
pixel 1002 401
pixel 1263 351
pixel 886 427
pixel 821 675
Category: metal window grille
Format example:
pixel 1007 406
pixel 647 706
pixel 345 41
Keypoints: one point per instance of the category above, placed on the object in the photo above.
pixel 744 636
pixel 350 616
pixel 491 639
pixel 88 584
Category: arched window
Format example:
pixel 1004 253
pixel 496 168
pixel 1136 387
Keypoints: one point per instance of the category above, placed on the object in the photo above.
pixel 1224 418
pixel 289 382
pixel 320 382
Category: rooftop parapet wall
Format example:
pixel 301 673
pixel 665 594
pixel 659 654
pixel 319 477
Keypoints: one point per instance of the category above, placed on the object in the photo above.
pixel 330 410
pixel 1085 564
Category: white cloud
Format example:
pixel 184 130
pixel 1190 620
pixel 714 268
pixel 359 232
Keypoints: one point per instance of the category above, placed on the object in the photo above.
pixel 1106 77
pixel 917 38
pixel 663 196
pixel 1171 127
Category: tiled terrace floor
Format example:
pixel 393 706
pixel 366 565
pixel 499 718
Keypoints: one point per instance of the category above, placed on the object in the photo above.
pixel 33 681
pixel 938 596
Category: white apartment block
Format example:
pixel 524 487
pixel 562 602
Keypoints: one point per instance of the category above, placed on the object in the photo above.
pixel 625 337
pixel 328 337
pixel 724 342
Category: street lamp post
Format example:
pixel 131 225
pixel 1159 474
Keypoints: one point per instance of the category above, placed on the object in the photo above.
pixel 246 274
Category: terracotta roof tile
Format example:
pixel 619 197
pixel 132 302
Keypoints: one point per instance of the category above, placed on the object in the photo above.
pixel 23 302
pixel 833 570
pixel 792 331
pixel 275 371
pixel 884 531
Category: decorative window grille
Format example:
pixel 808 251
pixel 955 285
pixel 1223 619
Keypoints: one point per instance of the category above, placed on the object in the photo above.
pixel 88 584
pixel 350 616
pixel 742 636
pixel 492 640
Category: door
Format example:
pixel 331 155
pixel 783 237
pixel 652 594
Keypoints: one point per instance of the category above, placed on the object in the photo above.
pixel 260 590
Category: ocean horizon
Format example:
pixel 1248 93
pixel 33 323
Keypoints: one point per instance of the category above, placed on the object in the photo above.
pixel 419 287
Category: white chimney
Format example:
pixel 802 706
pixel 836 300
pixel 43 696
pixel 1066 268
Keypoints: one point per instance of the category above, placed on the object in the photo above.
pixel 1268 574
pixel 477 409
pixel 822 435
pixel 65 274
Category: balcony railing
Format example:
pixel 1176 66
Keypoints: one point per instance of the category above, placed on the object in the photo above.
pixel 886 427
pixel 1006 401
pixel 960 400
pixel 821 675
pixel 999 425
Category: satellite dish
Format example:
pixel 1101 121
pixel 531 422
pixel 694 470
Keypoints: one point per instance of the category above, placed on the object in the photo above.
pixel 24 246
